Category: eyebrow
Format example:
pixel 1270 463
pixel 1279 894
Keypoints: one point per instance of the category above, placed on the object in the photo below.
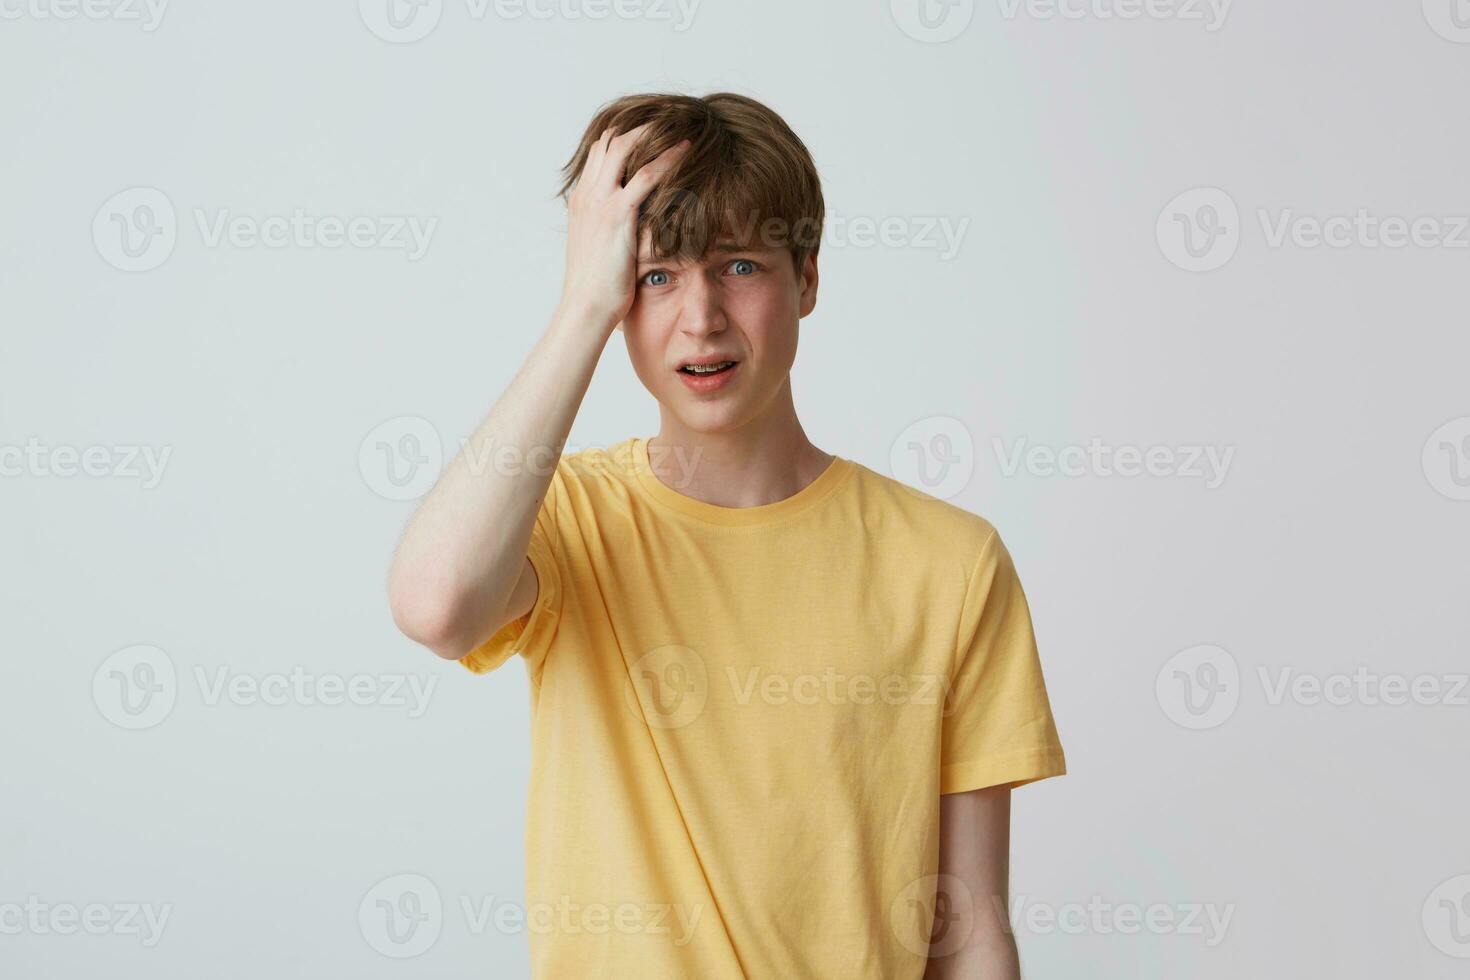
pixel 719 248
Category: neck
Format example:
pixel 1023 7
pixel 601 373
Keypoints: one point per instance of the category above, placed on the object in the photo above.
pixel 766 459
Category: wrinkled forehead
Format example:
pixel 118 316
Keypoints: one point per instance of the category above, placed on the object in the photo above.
pixel 720 248
pixel 757 237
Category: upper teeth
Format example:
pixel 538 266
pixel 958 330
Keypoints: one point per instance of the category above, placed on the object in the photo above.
pixel 706 368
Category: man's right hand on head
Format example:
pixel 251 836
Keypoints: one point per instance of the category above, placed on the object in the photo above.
pixel 602 231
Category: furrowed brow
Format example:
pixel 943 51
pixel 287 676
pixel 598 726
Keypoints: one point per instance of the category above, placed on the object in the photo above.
pixel 718 248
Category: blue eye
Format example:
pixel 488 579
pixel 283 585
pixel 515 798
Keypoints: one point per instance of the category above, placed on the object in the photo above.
pixel 744 262
pixel 648 279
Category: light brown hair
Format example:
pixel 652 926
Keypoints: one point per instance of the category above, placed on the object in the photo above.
pixel 746 176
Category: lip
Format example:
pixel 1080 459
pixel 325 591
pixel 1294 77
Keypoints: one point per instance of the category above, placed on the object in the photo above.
pixel 712 382
pixel 705 359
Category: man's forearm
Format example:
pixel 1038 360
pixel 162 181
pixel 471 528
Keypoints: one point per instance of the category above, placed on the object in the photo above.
pixel 973 889
pixel 465 547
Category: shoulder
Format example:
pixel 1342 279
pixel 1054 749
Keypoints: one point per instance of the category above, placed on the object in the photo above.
pixel 590 478
pixel 595 464
pixel 928 524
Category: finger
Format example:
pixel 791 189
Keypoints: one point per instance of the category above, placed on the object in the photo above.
pixel 628 136
pixel 618 150
pixel 593 164
pixel 643 182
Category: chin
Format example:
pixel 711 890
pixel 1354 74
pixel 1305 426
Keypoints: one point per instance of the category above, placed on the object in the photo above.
pixel 710 418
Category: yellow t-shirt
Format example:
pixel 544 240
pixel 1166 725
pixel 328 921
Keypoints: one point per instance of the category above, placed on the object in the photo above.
pixel 743 719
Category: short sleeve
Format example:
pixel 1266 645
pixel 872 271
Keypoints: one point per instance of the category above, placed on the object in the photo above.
pixel 531 634
pixel 998 727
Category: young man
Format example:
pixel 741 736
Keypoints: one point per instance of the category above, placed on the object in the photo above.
pixel 779 699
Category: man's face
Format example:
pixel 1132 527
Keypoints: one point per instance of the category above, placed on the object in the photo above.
pixel 737 304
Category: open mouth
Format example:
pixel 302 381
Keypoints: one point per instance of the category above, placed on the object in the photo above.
pixel 705 370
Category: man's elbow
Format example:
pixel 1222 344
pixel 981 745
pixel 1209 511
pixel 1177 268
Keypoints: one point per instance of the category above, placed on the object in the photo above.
pixel 431 619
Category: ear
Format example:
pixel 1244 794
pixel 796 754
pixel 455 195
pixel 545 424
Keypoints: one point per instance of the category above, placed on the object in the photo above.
pixel 808 284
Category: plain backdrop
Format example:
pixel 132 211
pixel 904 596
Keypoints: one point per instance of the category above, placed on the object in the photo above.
pixel 1132 201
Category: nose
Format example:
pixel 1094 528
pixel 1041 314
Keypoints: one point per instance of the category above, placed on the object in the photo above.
pixel 700 310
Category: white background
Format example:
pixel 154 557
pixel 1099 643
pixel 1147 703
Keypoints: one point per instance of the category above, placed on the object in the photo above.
pixel 1332 833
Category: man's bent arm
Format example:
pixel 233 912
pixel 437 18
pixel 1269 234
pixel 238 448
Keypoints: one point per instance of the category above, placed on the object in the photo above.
pixel 457 567
pixel 457 574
